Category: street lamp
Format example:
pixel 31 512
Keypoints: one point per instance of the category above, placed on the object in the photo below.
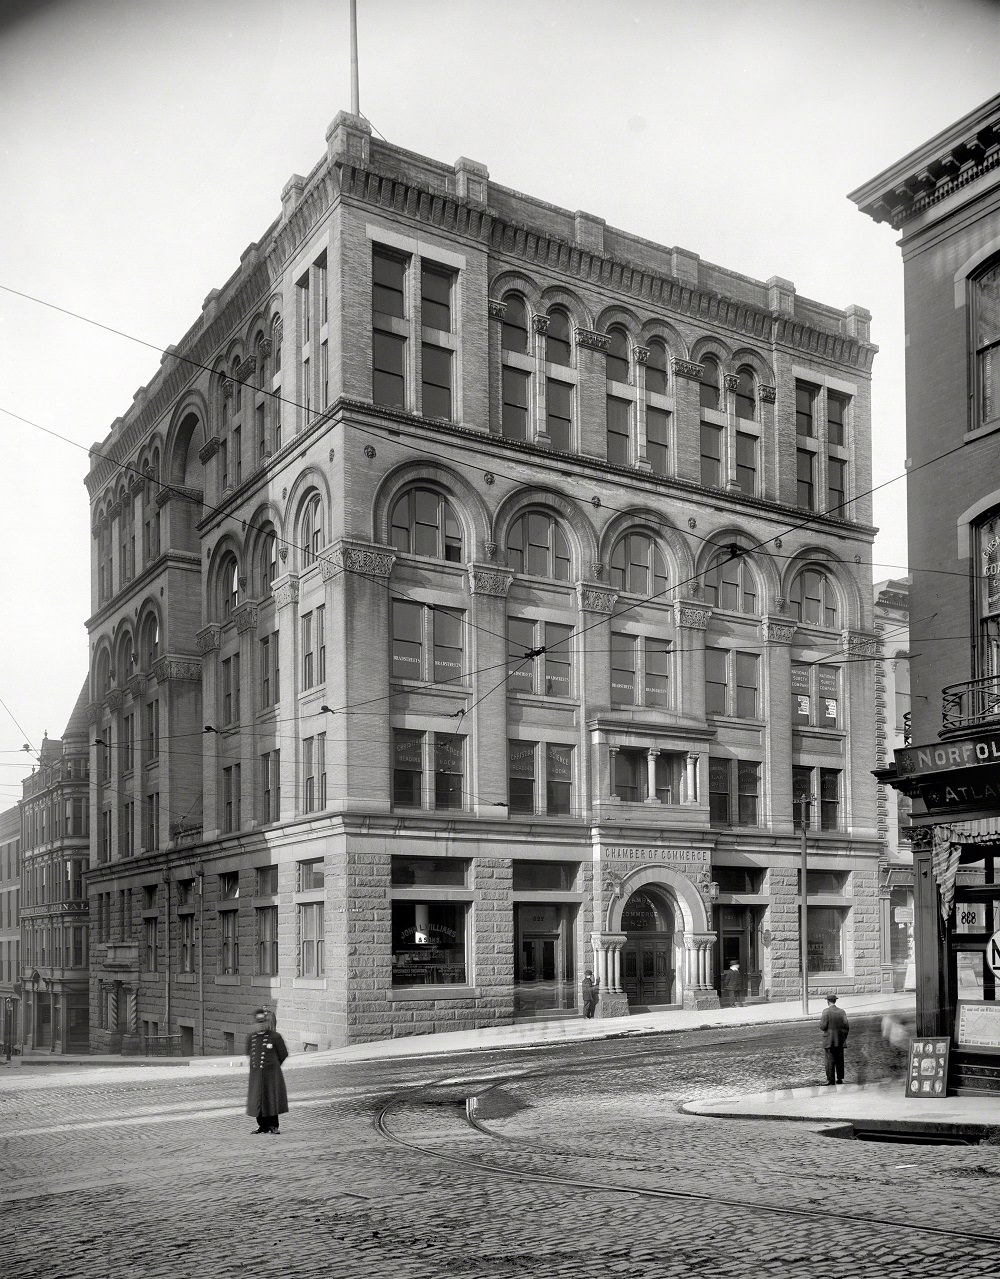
pixel 804 801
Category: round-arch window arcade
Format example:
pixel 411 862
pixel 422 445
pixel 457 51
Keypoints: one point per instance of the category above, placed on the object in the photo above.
pixel 423 523
pixel 814 598
pixel 746 394
pixel 514 330
pixel 656 369
pixel 709 383
pixel 558 349
pixel 617 359
pixel 730 583
pixel 536 545
pixel 638 566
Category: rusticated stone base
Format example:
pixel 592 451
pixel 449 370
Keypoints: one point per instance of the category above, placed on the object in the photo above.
pixel 701 999
pixel 610 1004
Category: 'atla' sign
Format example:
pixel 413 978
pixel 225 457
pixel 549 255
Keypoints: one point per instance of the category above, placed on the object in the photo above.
pixel 911 761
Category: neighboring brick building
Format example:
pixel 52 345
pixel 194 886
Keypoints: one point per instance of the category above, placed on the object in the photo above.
pixel 465 616
pixel 10 929
pixel 944 198
pixel 55 848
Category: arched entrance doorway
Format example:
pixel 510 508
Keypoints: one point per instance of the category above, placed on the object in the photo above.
pixel 649 978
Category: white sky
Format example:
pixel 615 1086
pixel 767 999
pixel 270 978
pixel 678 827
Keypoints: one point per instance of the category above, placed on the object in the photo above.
pixel 145 144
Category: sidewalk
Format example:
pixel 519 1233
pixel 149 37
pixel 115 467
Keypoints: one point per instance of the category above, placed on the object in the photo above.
pixel 522 1034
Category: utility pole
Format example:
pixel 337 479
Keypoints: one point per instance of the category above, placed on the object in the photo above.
pixel 805 801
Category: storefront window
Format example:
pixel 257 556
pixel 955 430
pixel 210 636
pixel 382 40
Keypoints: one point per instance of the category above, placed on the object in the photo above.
pixel 544 876
pixel 429 943
pixel 826 935
pixel 442 872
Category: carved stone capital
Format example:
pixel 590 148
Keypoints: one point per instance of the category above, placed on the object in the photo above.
pixel 597 568
pixel 163 497
pixel 595 341
pixel 285 591
pixel 773 631
pixel 245 617
pixel 685 368
pixel 731 381
pixel 641 354
pixel 209 638
pixel 227 387
pixel 540 323
pixel 244 370
pixel 209 449
pixel 115 700
pixel 181 668
pixel 497 310
pixel 136 684
pixel 489 580
pixel 265 346
pixel 767 394
pixel 595 599
pixel 369 561
pixel 94 713
pixel 862 644
pixel 696 616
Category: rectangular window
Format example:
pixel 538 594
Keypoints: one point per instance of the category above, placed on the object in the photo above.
pixel 149 955
pixel 549 671
pixel 711 455
pixel 630 774
pixel 559 415
pixel 260 418
pixel 514 412
pixel 128 743
pixel 305 309
pixel 229 886
pixel 307 651
pixel 836 493
pixel 268 670
pixel 127 839
pixel 324 372
pixel 231 798
pixel 805 476
pixel 624 655
pixel 829 799
pixel 619 412
pixel 429 943
pixel 558 780
pixel 266 881
pixel 657 428
pixel 825 928
pixel 188 953
pixel 449 772
pixel 836 418
pixel 805 408
pixel 311 958
pixel 816 695
pixel 229 942
pixel 308 776
pixel 747 669
pixel 266 927
pixel 521 776
pixel 320 770
pixel 716 680
pixel 803 799
pixel 152 729
pixel 407 768
pixel 231 689
pixel 237 453
pixel 656 684
pixel 435 297
pixel 447 625
pixel 719 790
pixel 436 382
pixel 152 823
pixel 748 792
pixel 746 462
pixel 407 640
pixel 558 668
pixel 389 370
pixel 270 786
pixel 319 636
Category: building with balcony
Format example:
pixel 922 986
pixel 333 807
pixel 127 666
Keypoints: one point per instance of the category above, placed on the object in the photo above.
pixel 476 586
pixel 55 847
pixel 944 199
pixel 10 930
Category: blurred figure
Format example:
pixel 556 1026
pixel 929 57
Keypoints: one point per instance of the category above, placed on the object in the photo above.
pixel 266 1095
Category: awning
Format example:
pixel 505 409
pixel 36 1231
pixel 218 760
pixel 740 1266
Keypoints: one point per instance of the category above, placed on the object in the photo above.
pixel 948 840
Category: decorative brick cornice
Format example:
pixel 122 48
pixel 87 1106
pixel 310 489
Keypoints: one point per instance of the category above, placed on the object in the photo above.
pixel 696 616
pixel 497 310
pixel 209 638
pixel 595 599
pixel 489 580
pixel 685 368
pixel 209 449
pixel 773 631
pixel 862 644
pixel 176 668
pixel 592 340
pixel 767 394
pixel 245 617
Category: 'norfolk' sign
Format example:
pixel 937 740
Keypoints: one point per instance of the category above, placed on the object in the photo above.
pixel 939 757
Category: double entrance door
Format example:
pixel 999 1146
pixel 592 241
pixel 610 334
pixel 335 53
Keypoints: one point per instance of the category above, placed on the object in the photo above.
pixel 647 969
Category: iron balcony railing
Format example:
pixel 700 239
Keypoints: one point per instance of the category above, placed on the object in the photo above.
pixel 971 703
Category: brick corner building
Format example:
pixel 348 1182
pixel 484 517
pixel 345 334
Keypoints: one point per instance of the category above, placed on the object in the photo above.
pixel 477 587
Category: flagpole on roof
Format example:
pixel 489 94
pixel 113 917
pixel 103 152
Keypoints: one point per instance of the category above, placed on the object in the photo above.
pixel 355 96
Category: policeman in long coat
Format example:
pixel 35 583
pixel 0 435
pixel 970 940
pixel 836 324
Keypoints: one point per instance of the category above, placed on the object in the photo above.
pixel 266 1095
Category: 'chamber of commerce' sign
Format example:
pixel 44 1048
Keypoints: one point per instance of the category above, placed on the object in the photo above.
pixel 927 1075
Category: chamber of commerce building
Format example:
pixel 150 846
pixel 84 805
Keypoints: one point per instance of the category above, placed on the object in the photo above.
pixel 479 591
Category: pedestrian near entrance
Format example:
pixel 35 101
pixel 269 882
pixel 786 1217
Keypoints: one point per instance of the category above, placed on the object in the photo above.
pixel 732 986
pixel 266 1095
pixel 589 988
pixel 835 1027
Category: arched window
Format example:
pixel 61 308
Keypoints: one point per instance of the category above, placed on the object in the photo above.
pixel 616 361
pixel 126 661
pixel 103 674
pixel 814 598
pixel 150 645
pixel 746 394
pixel 656 369
pixel 537 545
pixel 229 587
pixel 709 382
pixel 558 348
pixel 514 331
pixel 423 523
pixel 730 583
pixel 263 364
pixel 237 387
pixel 986 327
pixel 638 566
pixel 267 561
pixel 311 530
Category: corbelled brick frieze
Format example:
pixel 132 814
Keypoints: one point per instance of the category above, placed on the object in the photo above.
pixel 595 599
pixel 489 580
pixel 696 616
pixel 180 668
pixel 209 638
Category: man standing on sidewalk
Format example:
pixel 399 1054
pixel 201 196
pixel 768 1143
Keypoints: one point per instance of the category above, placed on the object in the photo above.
pixel 732 986
pixel 835 1027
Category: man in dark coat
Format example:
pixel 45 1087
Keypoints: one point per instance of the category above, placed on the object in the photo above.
pixel 835 1027
pixel 589 994
pixel 266 1095
pixel 732 986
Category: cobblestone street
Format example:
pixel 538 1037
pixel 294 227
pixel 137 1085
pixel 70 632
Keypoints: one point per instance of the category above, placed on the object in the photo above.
pixel 568 1161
